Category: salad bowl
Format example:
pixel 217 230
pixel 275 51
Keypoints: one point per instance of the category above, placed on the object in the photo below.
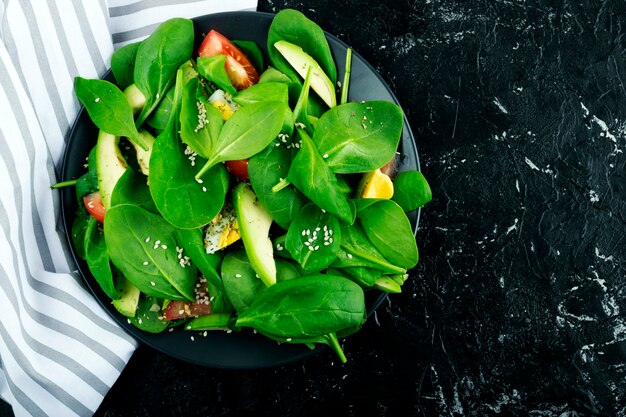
pixel 226 349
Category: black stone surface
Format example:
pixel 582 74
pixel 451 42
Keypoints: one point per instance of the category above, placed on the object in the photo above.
pixel 518 304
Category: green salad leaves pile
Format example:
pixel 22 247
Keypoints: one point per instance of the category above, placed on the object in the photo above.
pixel 229 189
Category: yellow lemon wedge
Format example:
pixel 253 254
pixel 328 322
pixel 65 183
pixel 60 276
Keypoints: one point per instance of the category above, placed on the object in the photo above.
pixel 375 184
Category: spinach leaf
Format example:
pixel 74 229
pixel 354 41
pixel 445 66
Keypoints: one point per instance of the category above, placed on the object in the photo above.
pixel 161 115
pixel 147 316
pixel 359 137
pixel 293 26
pixel 241 283
pixel 286 270
pixel 123 64
pixel 268 91
pixel 364 276
pixel 306 307
pixel 267 168
pixel 192 245
pixel 132 188
pixel 313 238
pixel 97 258
pixel 88 182
pixel 411 190
pixel 388 228
pixel 185 201
pixel 79 227
pixel 357 250
pixel 253 52
pixel 310 174
pixel 142 245
pixel 108 108
pixel 200 122
pixel 213 321
pixel 272 75
pixel 249 130
pixel 213 69
pixel 158 58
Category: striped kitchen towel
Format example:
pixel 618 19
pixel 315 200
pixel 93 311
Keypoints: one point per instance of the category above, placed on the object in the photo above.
pixel 59 350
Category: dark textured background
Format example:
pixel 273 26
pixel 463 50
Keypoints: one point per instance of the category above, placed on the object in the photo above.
pixel 518 304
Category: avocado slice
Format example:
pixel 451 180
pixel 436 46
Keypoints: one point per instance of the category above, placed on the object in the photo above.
pixel 110 165
pixel 301 61
pixel 254 225
pixel 129 298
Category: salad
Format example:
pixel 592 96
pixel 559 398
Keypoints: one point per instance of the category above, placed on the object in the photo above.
pixel 231 190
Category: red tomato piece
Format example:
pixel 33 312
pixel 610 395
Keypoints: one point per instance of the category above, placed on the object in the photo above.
pixel 177 310
pixel 93 204
pixel 238 168
pixel 240 70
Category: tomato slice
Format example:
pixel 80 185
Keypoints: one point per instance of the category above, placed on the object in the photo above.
pixel 239 168
pixel 93 204
pixel 177 310
pixel 240 70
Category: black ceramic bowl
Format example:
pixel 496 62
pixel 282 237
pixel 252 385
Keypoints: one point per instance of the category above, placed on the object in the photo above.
pixel 237 350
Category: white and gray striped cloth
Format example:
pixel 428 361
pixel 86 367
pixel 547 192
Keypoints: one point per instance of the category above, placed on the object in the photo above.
pixel 59 350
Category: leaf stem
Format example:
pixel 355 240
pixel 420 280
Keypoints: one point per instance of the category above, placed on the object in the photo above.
pixel 280 185
pixel 346 77
pixel 334 344
pixel 64 184
pixel 209 164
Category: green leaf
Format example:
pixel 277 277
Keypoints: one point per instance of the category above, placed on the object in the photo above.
pixel 161 115
pixel 268 91
pixel 213 69
pixel 182 199
pixel 142 245
pixel 240 281
pixel 123 64
pixel 358 251
pixel 313 238
pixel 147 316
pixel 267 168
pixel 200 122
pixel 388 228
pixel 310 174
pixel 192 243
pixel 158 58
pixel 294 27
pixel 306 307
pixel 108 108
pixel 132 188
pixel 359 137
pixel 411 190
pixel 97 257
pixel 249 130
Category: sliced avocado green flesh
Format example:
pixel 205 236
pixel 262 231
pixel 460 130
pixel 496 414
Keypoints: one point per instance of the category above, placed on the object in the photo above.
pixel 110 165
pixel 143 156
pixel 254 225
pixel 387 284
pixel 135 98
pixel 129 299
pixel 301 61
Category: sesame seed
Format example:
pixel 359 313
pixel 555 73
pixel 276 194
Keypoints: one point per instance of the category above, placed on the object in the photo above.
pixel 192 338
pixel 145 263
pixel 181 311
pixel 349 256
pixel 229 331
pixel 164 246
pixel 153 283
pixel 171 329
pixel 204 189
pixel 148 239
pixel 199 180
pixel 237 275
pixel 325 156
pixel 97 99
